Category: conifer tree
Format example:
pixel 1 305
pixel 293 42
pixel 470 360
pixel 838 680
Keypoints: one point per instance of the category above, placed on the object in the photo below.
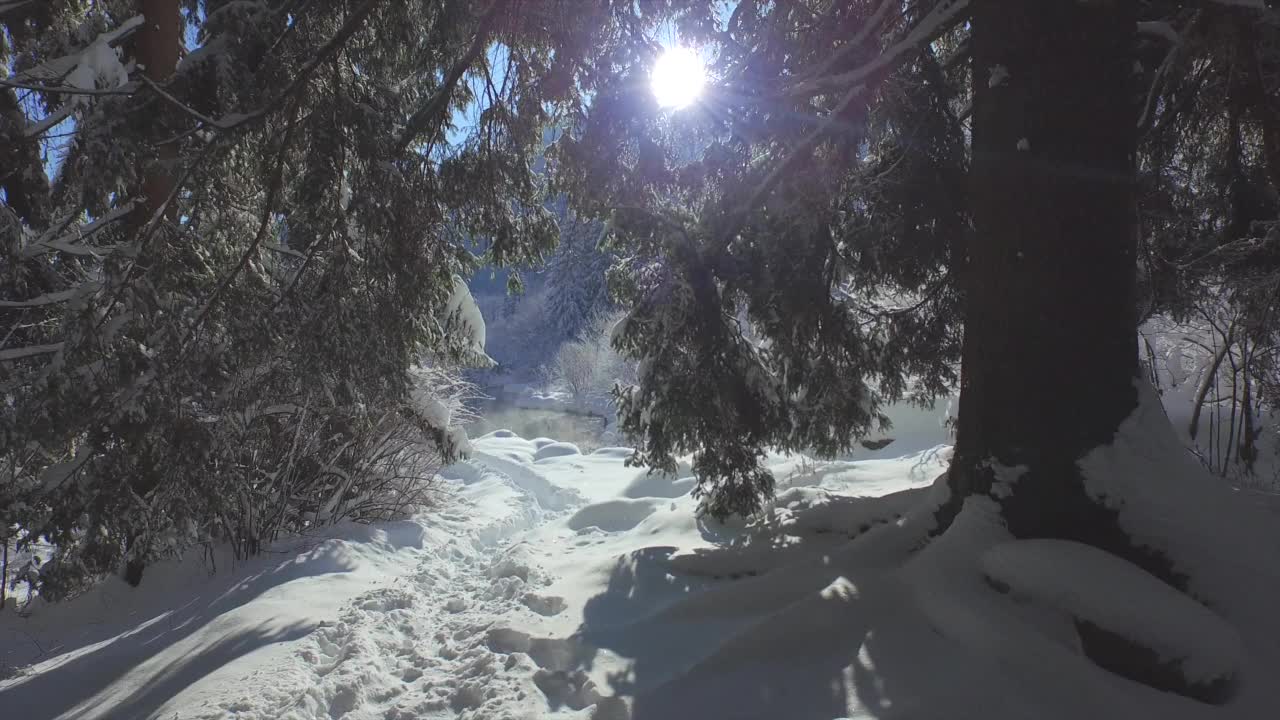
pixel 173 372
pixel 576 276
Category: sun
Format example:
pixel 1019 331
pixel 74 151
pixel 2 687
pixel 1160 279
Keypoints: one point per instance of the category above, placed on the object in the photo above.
pixel 678 78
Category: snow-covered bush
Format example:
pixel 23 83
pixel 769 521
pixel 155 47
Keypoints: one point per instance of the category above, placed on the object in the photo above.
pixel 263 472
pixel 576 368
pixel 616 368
pixel 589 367
pixel 1219 384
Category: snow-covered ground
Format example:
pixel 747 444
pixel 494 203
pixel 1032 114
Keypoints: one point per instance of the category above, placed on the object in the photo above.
pixel 553 584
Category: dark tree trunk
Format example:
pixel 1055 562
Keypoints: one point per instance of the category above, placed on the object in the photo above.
pixel 1050 351
pixel 157 49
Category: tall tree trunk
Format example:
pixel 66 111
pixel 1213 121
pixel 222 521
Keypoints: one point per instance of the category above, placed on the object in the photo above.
pixel 1050 352
pixel 157 49
pixel 1050 349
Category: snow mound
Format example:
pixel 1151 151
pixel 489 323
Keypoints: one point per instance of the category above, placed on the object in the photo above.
pixel 659 485
pixel 1121 598
pixel 1224 541
pixel 806 511
pixel 556 449
pixel 516 466
pixel 612 515
pixel 614 452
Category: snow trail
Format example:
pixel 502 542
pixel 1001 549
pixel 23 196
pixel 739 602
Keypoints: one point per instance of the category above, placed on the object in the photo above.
pixel 429 646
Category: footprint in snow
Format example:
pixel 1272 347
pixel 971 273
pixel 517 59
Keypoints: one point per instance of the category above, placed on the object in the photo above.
pixel 547 605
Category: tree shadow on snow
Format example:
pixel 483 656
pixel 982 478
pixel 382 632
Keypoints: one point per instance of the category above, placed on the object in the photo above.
pixel 107 647
pixel 70 692
pixel 802 639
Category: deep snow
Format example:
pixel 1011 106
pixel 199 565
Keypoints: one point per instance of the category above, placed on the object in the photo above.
pixel 553 584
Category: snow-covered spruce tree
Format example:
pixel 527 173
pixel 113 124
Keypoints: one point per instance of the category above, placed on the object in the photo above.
pixel 213 303
pixel 576 276
pixel 843 215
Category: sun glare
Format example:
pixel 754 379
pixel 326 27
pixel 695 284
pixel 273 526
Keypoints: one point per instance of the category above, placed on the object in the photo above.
pixel 678 78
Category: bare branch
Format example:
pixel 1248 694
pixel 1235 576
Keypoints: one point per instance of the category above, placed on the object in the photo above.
pixel 49 121
pixel 184 107
pixel 1161 73
pixel 937 20
pixel 875 21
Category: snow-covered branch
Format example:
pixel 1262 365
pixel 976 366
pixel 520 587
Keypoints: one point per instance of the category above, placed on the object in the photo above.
pixel 67 242
pixel 93 58
pixel 128 89
pixel 52 298
pixel 29 351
